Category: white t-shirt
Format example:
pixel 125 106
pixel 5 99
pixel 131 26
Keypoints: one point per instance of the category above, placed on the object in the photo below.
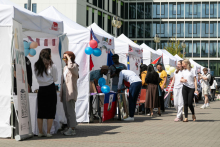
pixel 177 83
pixel 205 83
pixel 214 84
pixel 128 76
pixel 189 76
pixel 47 80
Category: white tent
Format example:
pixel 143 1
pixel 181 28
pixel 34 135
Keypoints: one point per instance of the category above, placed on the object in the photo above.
pixel 29 24
pixel 79 37
pixel 168 59
pixel 178 57
pixel 134 53
pixel 196 66
pixel 149 55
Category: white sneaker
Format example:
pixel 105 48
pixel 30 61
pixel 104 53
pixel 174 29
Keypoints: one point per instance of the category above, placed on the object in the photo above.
pixel 148 114
pixel 49 135
pixel 41 135
pixel 207 107
pixel 129 119
pixel 70 132
pixel 203 106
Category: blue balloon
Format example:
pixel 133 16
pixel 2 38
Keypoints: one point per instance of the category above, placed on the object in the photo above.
pixel 97 52
pixel 26 44
pixel 101 82
pixel 32 52
pixel 88 50
pixel 105 89
pixel 26 51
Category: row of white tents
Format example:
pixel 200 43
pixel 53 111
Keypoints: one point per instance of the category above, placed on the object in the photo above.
pixel 50 23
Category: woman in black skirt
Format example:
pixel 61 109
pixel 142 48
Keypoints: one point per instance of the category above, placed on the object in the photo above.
pixel 46 74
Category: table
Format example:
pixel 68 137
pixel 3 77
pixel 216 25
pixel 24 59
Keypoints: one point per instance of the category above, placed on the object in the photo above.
pixel 59 117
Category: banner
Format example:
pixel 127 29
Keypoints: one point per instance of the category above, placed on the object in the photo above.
pixel 109 106
pixel 21 78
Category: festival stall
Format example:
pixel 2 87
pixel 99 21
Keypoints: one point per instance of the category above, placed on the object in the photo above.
pixel 197 67
pixel 149 55
pixel 133 53
pixel 168 59
pixel 178 57
pixel 39 32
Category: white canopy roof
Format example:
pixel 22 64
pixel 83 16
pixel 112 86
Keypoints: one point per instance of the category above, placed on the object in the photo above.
pixel 168 59
pixel 196 65
pixel 134 49
pixel 149 55
pixel 178 57
pixel 76 33
pixel 104 38
pixel 33 24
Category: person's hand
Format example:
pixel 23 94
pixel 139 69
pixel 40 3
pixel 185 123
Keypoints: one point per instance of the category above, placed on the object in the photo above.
pixel 196 91
pixel 162 87
pixel 184 80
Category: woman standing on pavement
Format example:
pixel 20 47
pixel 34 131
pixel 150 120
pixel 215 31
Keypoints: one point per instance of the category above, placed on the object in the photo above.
pixel 68 92
pixel 177 92
pixel 189 88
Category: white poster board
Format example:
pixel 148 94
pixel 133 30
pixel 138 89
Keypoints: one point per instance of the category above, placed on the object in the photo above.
pixel 21 78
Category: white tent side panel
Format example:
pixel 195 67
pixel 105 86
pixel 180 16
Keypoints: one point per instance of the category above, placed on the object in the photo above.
pixel 135 63
pixel 6 80
pixel 101 60
pixel 147 57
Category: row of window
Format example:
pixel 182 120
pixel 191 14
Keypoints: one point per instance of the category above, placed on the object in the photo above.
pixel 172 29
pixel 34 7
pixel 172 10
pixel 212 64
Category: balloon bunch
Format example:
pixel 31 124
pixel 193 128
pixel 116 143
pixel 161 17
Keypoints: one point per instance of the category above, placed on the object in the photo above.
pixel 169 69
pixel 29 48
pixel 104 88
pixel 93 49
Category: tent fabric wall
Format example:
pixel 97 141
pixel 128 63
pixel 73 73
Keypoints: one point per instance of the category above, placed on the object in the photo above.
pixel 149 55
pixel 6 80
pixel 167 60
pixel 178 57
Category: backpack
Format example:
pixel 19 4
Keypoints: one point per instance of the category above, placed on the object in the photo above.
pixel 211 80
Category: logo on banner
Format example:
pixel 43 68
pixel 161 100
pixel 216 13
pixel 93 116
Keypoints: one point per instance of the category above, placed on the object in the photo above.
pixel 54 26
pixel 110 102
pixel 110 42
pixel 130 49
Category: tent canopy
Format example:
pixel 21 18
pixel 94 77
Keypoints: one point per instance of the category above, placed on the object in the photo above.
pixel 104 38
pixel 149 55
pixel 167 58
pixel 178 57
pixel 75 32
pixel 133 47
pixel 33 24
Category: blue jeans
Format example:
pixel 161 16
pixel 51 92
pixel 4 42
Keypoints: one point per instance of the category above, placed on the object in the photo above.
pixel 134 91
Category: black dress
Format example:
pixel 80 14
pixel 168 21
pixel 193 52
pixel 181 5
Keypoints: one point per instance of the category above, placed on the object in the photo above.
pixel 47 102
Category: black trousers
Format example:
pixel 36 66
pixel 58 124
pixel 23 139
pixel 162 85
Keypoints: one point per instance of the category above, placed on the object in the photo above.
pixel 188 95
pixel 213 94
pixel 162 101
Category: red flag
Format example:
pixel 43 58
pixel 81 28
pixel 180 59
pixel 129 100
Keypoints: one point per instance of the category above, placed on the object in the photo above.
pixel 156 61
pixel 91 63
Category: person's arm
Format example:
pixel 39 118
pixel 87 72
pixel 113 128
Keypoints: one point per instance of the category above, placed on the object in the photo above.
pixel 195 81
pixel 120 81
pixel 172 83
pixel 54 73
pixel 183 80
pixel 164 82
pixel 73 67
pixel 96 82
pixel 204 77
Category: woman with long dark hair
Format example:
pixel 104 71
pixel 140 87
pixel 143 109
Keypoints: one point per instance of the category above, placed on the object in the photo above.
pixel 46 74
pixel 68 92
pixel 152 96
pixel 189 88
pixel 177 92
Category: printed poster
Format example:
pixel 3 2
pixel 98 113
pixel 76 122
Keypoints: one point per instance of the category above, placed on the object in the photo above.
pixel 21 78
pixel 123 107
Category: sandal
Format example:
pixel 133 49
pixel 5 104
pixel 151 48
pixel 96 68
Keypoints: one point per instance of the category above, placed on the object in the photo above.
pixel 185 120
pixel 194 118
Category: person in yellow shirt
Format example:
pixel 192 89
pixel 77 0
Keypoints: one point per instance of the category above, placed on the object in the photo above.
pixel 163 75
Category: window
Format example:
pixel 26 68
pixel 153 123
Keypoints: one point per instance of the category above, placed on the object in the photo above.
pixel 164 10
pixel 93 14
pixel 188 29
pixel 148 28
pixel 132 11
pixel 164 30
pixel 140 10
pixel 100 19
pixel 204 49
pixel 34 8
pixel 122 10
pixel 156 10
pixel 213 49
pixel 87 16
pixel 205 30
pixel 188 49
pixel 219 29
pixel 196 49
pixel 156 28
pixel 109 25
pixel 163 44
pixel 197 10
pixel 103 21
pixel 180 29
pixel 114 6
pixel 172 10
pixel 148 43
pixel 213 10
pixel 100 4
pixel 213 29
pixel 126 28
pixel 196 29
pixel 219 49
pixel 148 10
pixel 215 67
pixel 172 29
pixel 180 10
pixel 25 5
pixel 202 62
pixel 205 10
pixel 218 9
pixel 139 42
pixel 140 30
pixel 188 10
pixel 132 29
pixel 126 11
pixel 95 2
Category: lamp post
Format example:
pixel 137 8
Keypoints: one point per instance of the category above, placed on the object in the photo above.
pixel 156 40
pixel 183 46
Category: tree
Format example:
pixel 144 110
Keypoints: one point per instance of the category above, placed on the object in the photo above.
pixel 174 47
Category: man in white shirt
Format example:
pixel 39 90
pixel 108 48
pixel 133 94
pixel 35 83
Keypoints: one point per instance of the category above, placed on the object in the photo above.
pixel 206 77
pixel 134 89
pixel 213 89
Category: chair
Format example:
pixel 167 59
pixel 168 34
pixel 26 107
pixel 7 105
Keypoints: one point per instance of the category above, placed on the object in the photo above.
pixel 142 98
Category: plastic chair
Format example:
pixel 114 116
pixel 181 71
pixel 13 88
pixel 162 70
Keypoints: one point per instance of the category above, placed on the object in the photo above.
pixel 142 98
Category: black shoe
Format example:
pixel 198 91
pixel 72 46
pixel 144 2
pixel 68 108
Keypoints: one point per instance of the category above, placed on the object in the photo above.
pixel 159 114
